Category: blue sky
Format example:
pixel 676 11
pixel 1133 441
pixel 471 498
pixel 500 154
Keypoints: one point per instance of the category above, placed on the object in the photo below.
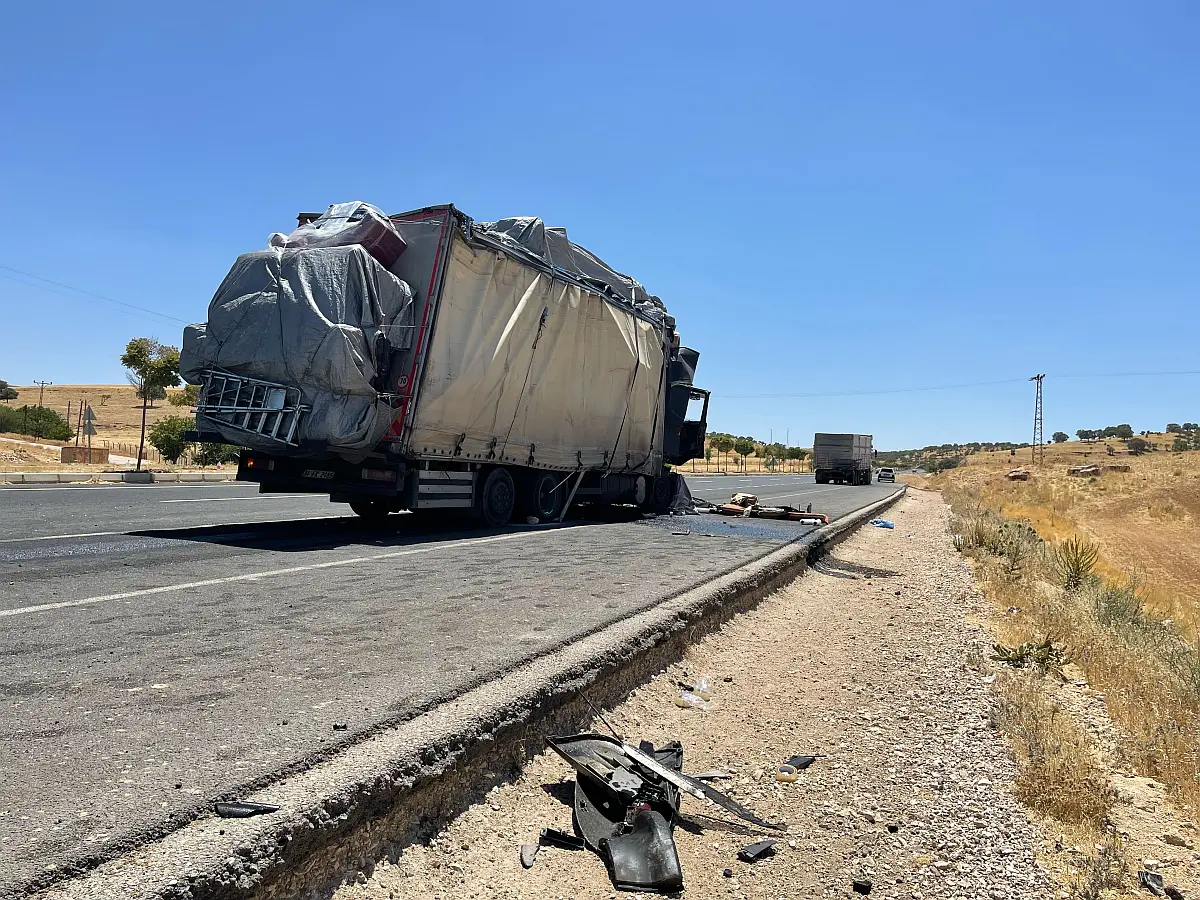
pixel 830 198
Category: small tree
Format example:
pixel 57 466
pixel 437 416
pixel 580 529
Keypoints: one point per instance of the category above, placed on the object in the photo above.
pixel 1060 437
pixel 7 393
pixel 1181 444
pixel 166 436
pixel 1174 428
pixel 743 447
pixel 187 397
pixel 154 366
pixel 723 444
pixel 1124 432
pixel 1137 446
pixel 152 392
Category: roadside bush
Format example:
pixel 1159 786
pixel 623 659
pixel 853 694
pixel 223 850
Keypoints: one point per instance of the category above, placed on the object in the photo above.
pixel 186 397
pixel 1073 560
pixel 39 421
pixel 213 454
pixel 1117 605
pixel 166 436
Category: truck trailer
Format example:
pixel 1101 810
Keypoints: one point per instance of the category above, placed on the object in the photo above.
pixel 426 361
pixel 842 458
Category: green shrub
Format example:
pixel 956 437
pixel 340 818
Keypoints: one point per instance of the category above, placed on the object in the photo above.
pixel 1073 561
pixel 212 454
pixel 38 421
pixel 166 436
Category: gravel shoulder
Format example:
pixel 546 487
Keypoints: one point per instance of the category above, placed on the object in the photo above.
pixel 870 659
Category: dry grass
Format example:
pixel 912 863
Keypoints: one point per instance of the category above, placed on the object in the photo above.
pixel 1147 666
pixel 1144 521
pixel 1057 773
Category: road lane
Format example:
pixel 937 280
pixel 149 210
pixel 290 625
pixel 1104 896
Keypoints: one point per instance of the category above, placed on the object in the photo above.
pixel 150 670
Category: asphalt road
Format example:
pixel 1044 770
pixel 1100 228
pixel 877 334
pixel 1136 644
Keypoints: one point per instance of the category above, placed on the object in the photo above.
pixel 163 646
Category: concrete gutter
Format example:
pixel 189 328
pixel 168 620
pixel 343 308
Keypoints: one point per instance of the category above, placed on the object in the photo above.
pixel 119 477
pixel 375 798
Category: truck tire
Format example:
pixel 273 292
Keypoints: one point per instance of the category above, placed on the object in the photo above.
pixel 371 509
pixel 497 498
pixel 661 494
pixel 544 495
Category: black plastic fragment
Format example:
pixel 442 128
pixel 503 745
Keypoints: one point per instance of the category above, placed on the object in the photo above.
pixel 802 762
pixel 861 886
pixel 755 852
pixel 644 858
pixel 559 838
pixel 244 809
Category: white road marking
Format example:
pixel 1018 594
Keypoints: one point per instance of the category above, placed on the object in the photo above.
pixel 132 532
pixel 55 537
pixel 238 499
pixel 164 486
pixel 253 576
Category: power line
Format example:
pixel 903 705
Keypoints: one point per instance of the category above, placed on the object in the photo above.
pixel 68 287
pixel 912 390
pixel 947 387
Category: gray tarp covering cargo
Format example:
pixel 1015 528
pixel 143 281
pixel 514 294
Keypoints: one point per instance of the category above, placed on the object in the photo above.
pixel 322 320
pixel 533 352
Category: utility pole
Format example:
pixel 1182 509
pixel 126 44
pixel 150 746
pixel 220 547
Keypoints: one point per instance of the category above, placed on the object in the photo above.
pixel 1037 452
pixel 41 394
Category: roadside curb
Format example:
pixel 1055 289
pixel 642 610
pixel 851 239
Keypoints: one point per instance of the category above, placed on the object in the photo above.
pixel 376 797
pixel 117 477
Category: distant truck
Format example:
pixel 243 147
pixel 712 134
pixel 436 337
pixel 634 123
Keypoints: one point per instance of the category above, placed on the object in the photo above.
pixel 842 458
pixel 426 361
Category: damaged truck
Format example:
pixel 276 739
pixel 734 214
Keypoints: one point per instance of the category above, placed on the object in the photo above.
pixel 426 361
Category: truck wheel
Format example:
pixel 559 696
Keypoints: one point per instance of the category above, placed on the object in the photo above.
pixel 545 495
pixel 497 498
pixel 373 510
pixel 662 493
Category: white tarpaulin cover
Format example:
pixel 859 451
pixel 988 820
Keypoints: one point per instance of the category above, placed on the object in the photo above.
pixel 520 359
pixel 321 320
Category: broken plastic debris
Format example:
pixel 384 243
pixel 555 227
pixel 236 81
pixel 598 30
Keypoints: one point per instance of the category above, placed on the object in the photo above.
pixel 244 809
pixel 883 523
pixel 790 770
pixel 803 762
pixel 1151 881
pixel 558 838
pixel 755 852
pixel 861 886
pixel 688 700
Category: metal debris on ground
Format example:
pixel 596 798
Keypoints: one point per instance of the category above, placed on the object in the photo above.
pixel 626 802
pixel 1152 881
pixel 558 838
pixel 711 775
pixel 243 809
pixel 755 852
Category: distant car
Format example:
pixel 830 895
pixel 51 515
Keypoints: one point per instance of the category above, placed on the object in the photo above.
pixel 886 474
